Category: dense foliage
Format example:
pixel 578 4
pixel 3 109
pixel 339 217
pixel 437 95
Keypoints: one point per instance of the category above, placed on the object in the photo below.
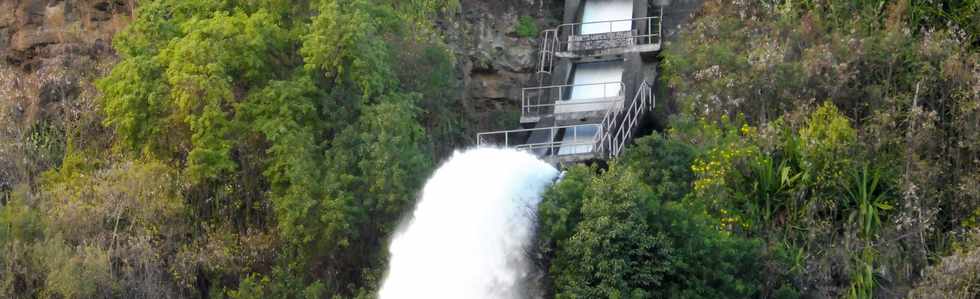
pixel 610 235
pixel 268 148
pixel 816 149
pixel 267 145
pixel 841 132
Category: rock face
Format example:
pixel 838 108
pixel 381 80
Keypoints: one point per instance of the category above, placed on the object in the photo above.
pixel 493 61
pixel 33 31
pixel 51 51
pixel 66 41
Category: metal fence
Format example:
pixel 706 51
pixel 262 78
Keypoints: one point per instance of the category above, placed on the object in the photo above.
pixel 547 100
pixel 550 141
pixel 587 38
pixel 605 139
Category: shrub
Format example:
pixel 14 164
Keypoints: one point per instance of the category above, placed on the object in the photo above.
pixel 956 276
pixel 608 235
pixel 526 27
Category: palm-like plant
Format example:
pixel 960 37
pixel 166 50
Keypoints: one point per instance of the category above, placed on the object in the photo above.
pixel 865 193
pixel 870 200
pixel 772 183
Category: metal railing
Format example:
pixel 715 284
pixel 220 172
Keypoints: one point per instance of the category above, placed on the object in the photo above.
pixel 580 135
pixel 618 33
pixel 620 129
pixel 547 100
pixel 608 137
pixel 570 37
pixel 547 61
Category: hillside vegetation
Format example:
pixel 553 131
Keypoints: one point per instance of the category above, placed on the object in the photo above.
pixel 268 149
pixel 257 149
pixel 818 149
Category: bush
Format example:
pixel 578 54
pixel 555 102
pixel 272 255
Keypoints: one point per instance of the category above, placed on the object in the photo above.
pixel 20 271
pixel 608 235
pixel 526 27
pixel 664 164
pixel 956 276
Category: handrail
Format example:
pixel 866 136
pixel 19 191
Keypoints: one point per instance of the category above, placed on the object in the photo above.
pixel 614 140
pixel 538 101
pixel 551 145
pixel 551 38
pixel 652 35
pixel 606 21
pixel 546 63
pixel 573 85
pixel 617 125
pixel 612 133
pixel 604 100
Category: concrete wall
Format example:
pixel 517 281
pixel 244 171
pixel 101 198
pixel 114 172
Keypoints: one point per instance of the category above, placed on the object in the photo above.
pixel 573 8
pixel 637 68
pixel 561 72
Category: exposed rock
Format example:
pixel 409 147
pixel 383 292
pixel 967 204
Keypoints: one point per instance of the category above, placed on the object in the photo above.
pixel 50 53
pixel 495 63
pixel 4 37
pixel 55 91
pixel 38 30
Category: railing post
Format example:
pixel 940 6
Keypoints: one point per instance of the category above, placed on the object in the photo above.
pixel 574 140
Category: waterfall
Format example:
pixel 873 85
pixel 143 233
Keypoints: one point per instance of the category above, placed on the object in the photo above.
pixel 469 234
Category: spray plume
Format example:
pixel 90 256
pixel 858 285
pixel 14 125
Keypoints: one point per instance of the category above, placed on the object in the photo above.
pixel 470 232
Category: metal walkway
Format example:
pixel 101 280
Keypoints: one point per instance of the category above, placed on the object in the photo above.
pixel 569 41
pixel 602 140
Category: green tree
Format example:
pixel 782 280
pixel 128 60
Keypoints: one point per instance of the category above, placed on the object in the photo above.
pixel 611 253
pixel 609 235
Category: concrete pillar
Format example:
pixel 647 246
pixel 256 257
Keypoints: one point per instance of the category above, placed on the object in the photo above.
pixel 561 72
pixel 632 75
pixel 573 11
pixel 641 9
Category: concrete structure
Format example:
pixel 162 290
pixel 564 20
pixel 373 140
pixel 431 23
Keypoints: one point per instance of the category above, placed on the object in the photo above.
pixel 600 65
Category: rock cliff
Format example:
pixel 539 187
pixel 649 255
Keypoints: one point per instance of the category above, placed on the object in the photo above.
pixel 51 51
pixel 39 30
pixel 62 45
pixel 493 61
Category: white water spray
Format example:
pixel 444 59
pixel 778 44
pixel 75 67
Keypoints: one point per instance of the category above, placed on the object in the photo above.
pixel 470 231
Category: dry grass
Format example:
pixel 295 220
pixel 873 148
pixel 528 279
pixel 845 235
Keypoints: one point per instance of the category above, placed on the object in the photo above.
pixel 957 276
pixel 59 98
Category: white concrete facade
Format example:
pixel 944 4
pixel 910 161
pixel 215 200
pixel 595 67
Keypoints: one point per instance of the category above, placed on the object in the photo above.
pixel 606 10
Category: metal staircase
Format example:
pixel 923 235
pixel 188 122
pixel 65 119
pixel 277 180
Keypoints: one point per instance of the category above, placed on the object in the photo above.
pixel 622 123
pixel 603 140
pixel 598 127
